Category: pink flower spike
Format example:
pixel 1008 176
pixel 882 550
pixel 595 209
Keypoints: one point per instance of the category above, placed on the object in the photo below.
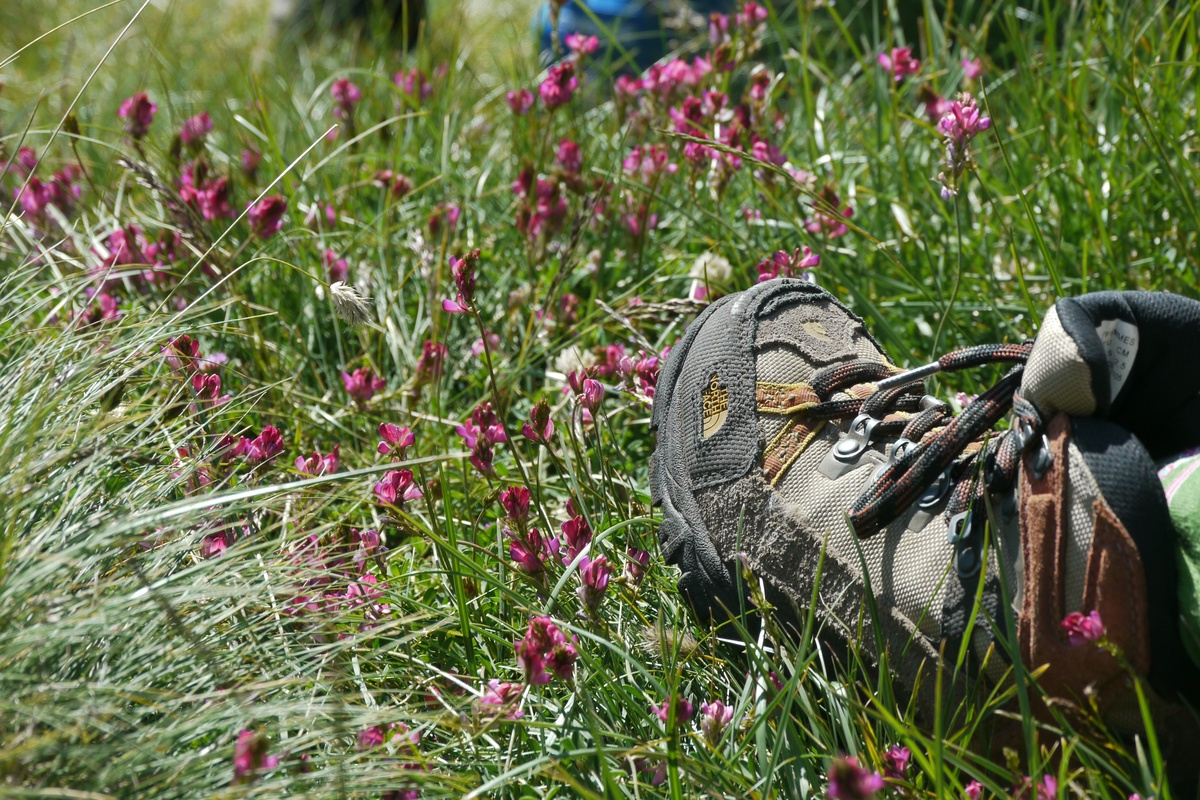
pixel 515 502
pixel 520 101
pixel 545 653
pixel 636 566
pixel 1080 629
pixel 682 708
pixel 895 762
pixel 593 395
pixel 972 68
pixel 138 112
pixel 345 96
pixel 849 781
pixel 559 86
pixel 362 384
pixel 576 535
pixel 318 464
pixel 593 582
pixel 540 428
pixel 397 487
pixel 265 446
pixel 715 718
pixel 250 757
pixel 583 45
pixel 502 697
pixel 266 216
pixel 196 129
pixel 900 63
pixel 396 439
pixel 973 790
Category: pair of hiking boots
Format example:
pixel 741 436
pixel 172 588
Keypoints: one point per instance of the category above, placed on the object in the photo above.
pixel 790 448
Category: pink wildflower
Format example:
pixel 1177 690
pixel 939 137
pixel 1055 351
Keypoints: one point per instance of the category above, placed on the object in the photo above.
pixel 413 83
pixel 138 112
pixel 208 390
pixel 751 14
pixel 900 63
pixel 362 384
pixel 827 217
pixel 895 762
pixel 545 653
pixel 1080 629
pixel 266 216
pixel 560 83
pixel 531 552
pixel 959 125
pixel 250 757
pixel 502 697
pixel 265 446
pixel 463 270
pixel 649 161
pixel 788 265
pixel 195 129
pixel 973 790
pixel 576 536
pixel 569 157
pixel 345 96
pixel 397 487
pixel 317 464
pixel 444 212
pixel 337 268
pixel 580 44
pixel 250 159
pixel 396 440
pixel 370 738
pixel 520 101
pixel 594 575
pixel 636 566
pixel 715 718
pixel 849 781
pixel 429 363
pixel 515 502
pixel 540 427
pixel 681 706
pixel 592 395
pixel 972 68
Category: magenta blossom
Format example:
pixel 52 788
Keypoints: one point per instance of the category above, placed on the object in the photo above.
pixel 338 268
pixel 265 446
pixel 515 502
pixel 973 790
pixel 318 464
pixel 592 395
pixel 715 718
pixel 972 68
pixel 900 63
pixel 362 384
pixel 895 762
pixel 576 535
pixel 782 264
pixel 583 45
pixel 266 216
pixel 397 487
pixel 569 157
pixel 681 706
pixel 636 566
pixel 959 125
pixel 195 129
pixel 395 440
pixel 560 83
pixel 502 698
pixel 207 388
pixel 413 83
pixel 828 215
pixel 1080 629
pixel 540 427
pixel 463 270
pixel 250 758
pixel 444 213
pixel 138 112
pixel 545 653
pixel 345 96
pixel 250 159
pixel 849 781
pixel 594 575
pixel 531 552
pixel 520 101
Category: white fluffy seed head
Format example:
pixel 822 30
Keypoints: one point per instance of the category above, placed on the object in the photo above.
pixel 349 303
pixel 711 267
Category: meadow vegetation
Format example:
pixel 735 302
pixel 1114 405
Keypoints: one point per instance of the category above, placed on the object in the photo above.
pixel 326 376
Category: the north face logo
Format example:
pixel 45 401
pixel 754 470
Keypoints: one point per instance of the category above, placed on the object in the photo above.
pixel 715 405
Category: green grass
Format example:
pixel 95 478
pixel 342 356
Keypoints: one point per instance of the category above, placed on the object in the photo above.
pixel 129 663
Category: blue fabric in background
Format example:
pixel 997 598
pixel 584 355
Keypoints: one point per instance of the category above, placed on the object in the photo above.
pixel 635 24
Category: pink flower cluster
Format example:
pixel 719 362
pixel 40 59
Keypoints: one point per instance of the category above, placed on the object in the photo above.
pixel 362 384
pixel 546 653
pixel 479 433
pixel 782 264
pixel 961 123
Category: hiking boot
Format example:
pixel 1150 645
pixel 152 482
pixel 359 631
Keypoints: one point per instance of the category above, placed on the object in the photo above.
pixel 785 435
